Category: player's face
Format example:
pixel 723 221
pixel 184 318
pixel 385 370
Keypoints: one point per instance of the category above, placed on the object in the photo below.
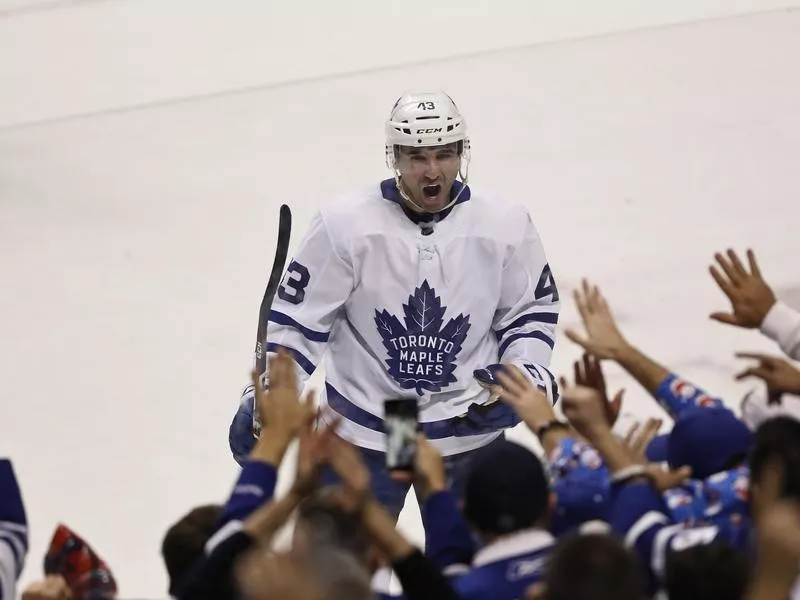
pixel 427 174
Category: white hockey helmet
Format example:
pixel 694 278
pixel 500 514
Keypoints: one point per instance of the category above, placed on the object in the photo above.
pixel 424 119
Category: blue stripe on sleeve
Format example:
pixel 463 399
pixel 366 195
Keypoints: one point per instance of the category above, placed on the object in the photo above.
pixel 301 360
pixel 550 318
pixel 531 334
pixel 310 334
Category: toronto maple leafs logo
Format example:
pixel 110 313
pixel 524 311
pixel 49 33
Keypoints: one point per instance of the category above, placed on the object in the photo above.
pixel 422 353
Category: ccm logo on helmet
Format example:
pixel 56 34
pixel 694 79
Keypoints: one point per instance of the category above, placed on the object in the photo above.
pixel 435 130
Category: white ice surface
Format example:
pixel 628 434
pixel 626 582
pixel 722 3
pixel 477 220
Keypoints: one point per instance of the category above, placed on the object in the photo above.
pixel 61 57
pixel 134 245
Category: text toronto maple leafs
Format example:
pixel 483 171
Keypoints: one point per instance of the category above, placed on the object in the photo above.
pixel 422 352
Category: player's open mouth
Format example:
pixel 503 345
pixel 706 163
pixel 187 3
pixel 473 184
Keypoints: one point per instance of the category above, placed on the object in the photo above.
pixel 431 191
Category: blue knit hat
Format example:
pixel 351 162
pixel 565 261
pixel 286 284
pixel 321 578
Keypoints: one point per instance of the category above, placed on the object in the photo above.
pixel 506 488
pixel 705 439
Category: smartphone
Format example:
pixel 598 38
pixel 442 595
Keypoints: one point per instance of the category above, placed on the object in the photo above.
pixel 401 419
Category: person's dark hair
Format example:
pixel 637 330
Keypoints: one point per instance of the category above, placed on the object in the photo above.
pixel 185 541
pixel 714 571
pixel 778 439
pixel 593 566
pixel 329 524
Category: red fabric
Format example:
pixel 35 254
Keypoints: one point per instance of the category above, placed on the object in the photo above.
pixel 86 574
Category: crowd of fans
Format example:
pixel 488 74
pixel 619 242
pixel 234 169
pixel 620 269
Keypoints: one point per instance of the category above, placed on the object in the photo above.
pixel 709 510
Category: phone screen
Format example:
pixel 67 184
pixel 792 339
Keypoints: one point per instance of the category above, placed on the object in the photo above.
pixel 402 423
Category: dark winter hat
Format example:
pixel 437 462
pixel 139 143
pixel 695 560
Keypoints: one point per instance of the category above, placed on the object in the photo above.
pixel 506 488
pixel 705 439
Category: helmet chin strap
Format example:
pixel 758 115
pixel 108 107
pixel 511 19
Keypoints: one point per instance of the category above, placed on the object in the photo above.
pixel 464 178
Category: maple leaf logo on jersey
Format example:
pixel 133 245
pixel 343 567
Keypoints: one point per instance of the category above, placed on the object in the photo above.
pixel 422 353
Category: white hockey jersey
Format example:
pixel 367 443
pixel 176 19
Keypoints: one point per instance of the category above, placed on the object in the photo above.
pixel 397 307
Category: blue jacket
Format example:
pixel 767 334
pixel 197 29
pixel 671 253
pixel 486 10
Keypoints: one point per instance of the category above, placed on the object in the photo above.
pixel 500 570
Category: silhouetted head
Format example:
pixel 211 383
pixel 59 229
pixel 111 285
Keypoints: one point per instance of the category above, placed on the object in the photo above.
pixel 185 541
pixel 506 490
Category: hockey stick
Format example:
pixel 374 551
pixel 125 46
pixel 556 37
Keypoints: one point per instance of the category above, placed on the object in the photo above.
pixel 281 250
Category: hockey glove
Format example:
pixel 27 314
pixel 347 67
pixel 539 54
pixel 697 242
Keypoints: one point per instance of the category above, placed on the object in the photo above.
pixel 245 427
pixel 485 418
pixel 487 377
pixel 536 374
pixel 493 415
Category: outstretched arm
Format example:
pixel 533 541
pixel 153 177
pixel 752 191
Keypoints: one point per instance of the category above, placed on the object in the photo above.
pixel 753 303
pixel 604 340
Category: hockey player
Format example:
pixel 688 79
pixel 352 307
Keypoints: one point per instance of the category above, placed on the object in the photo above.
pixel 417 287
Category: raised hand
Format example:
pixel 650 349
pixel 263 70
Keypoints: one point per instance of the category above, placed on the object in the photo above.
pixel 750 296
pixel 585 409
pixel 639 437
pixel 280 408
pixel 527 400
pixel 602 339
pixel 589 373
pixel 780 375
pixel 312 454
pixel 346 461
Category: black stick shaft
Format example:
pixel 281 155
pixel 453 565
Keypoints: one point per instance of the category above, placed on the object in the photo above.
pixel 281 250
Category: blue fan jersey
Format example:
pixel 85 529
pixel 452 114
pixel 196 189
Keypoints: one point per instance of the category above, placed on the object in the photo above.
pixel 639 516
pixel 500 570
